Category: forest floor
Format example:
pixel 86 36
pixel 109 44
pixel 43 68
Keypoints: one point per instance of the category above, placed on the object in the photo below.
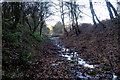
pixel 25 57
pixel 100 47
pixel 49 65
pixel 46 62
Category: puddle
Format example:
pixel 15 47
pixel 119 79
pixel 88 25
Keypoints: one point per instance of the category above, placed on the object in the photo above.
pixel 83 76
pixel 54 64
pixel 114 77
pixel 82 62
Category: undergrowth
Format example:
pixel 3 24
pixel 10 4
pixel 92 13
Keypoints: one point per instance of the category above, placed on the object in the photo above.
pixel 17 49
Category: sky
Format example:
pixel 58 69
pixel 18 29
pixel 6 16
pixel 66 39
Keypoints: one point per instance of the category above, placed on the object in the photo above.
pixel 99 7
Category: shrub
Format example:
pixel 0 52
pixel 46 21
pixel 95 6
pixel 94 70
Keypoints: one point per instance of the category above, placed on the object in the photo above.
pixel 49 36
pixel 15 34
pixel 26 58
pixel 38 36
pixel 15 44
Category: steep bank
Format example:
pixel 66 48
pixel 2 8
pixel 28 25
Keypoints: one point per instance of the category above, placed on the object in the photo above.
pixel 21 49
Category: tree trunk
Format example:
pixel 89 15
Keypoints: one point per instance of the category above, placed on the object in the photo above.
pixel 16 13
pixel 110 8
pixel 35 27
pixel 28 24
pixel 41 26
pixel 62 17
pixel 95 16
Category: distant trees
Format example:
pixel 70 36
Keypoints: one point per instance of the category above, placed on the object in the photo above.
pixel 45 29
pixel 58 28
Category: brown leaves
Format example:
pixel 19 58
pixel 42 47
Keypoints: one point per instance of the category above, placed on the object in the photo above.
pixel 100 46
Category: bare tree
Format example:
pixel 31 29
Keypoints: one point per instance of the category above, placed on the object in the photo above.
pixel 39 12
pixel 74 13
pixel 94 16
pixel 110 8
pixel 62 11
pixel 45 12
pixel 11 11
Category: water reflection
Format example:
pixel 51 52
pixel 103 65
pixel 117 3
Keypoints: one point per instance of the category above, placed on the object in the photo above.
pixel 74 56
